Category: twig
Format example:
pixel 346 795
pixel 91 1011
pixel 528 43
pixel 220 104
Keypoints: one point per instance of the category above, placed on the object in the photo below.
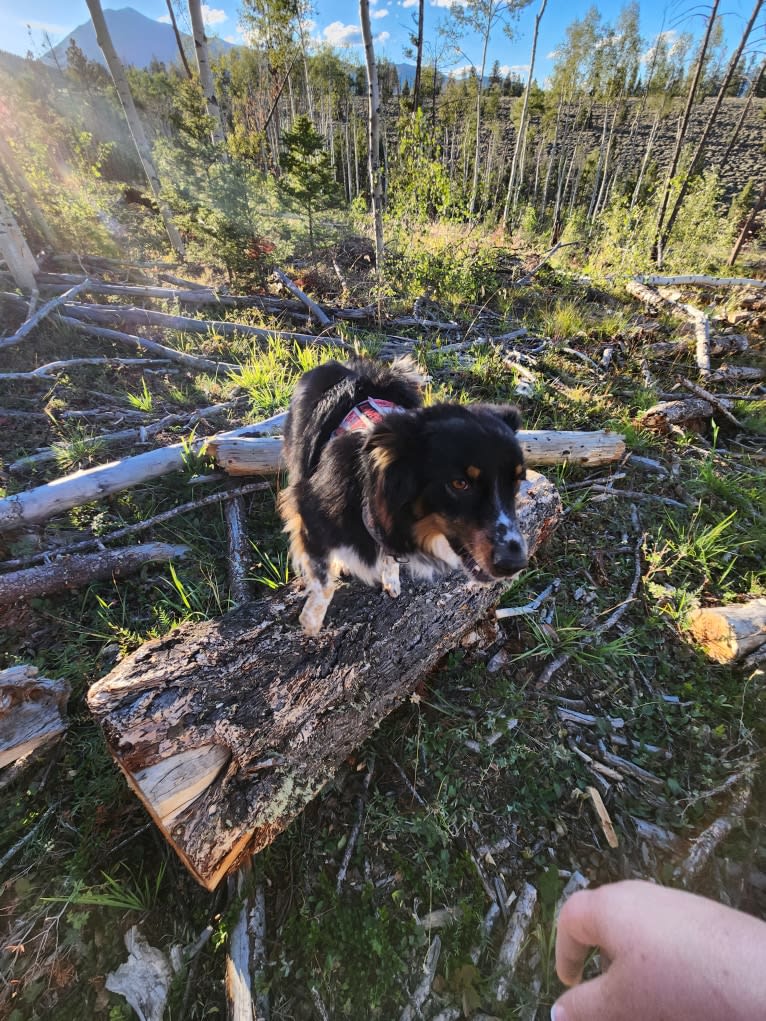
pixel 45 372
pixel 557 663
pixel 408 783
pixel 603 817
pixel 513 942
pixel 632 494
pixel 237 549
pixel 535 604
pixel 487 925
pixel 523 281
pixel 139 526
pixel 712 399
pixel 577 881
pixel 30 835
pixel 29 324
pixel 354 835
pixel 705 845
pixel 423 989
pixel 320 1007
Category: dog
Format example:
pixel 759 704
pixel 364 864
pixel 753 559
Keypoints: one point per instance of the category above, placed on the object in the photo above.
pixel 376 480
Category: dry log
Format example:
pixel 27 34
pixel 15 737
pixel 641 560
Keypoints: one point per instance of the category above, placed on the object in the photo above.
pixel 737 374
pixel 29 324
pixel 246 456
pixel 144 344
pixel 82 487
pixel 728 633
pixel 32 711
pixel 116 314
pixel 700 281
pixel 691 414
pixel 321 317
pixel 238 549
pixel 712 399
pixel 720 344
pixel 228 728
pixel 46 372
pixel 513 942
pixel 70 572
pixel 696 316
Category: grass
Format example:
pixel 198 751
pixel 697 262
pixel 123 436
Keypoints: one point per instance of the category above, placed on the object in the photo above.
pixel 495 767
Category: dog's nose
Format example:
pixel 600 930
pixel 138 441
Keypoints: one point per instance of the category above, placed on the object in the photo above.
pixel 510 557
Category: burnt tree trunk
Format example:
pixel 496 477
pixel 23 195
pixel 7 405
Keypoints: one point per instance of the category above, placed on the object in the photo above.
pixel 227 729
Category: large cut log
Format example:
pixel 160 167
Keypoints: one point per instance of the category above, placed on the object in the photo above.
pixel 727 633
pixel 43 502
pixel 248 456
pixel 227 729
pixel 68 572
pixel 32 711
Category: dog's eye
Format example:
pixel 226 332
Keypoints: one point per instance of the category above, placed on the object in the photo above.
pixel 460 485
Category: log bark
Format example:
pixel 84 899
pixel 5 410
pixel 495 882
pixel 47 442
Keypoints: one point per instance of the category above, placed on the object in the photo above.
pixel 29 324
pixel 692 414
pixel 227 729
pixel 70 572
pixel 697 280
pixel 212 105
pixel 728 633
pixel 246 456
pixel 32 711
pixel 43 502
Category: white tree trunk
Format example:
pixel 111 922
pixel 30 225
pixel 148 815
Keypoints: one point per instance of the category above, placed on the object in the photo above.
pixel 205 73
pixel 373 96
pixel 134 123
pixel 15 250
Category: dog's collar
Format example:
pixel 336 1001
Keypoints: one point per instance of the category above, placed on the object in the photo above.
pixel 365 416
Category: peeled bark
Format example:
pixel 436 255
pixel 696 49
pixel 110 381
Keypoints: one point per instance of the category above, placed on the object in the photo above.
pixel 243 456
pixel 227 729
pixel 728 633
pixel 134 122
pixel 32 712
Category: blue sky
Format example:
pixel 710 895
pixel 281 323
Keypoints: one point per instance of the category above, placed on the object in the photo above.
pixel 337 22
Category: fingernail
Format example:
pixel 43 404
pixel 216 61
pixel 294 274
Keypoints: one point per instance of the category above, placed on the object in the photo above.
pixel 557 1013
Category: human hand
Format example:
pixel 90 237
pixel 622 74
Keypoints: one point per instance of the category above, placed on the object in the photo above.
pixel 672 956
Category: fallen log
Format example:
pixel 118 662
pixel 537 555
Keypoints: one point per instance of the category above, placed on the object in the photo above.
pixel 43 502
pixel 693 414
pixel 227 729
pixel 700 281
pixel 737 374
pixel 698 319
pixel 70 572
pixel 720 344
pixel 319 314
pixel 29 324
pixel 728 633
pixel 32 711
pixel 247 456
pixel 47 372
pixel 116 314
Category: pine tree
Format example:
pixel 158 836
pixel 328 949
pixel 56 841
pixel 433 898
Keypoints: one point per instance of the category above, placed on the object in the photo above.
pixel 308 176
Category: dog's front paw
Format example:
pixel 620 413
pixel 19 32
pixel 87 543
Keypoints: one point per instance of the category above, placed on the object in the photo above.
pixel 311 620
pixel 389 578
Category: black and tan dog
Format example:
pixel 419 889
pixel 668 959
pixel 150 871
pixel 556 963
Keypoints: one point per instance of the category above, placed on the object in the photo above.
pixel 376 480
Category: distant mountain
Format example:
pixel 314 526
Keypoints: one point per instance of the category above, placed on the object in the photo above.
pixel 137 39
pixel 406 73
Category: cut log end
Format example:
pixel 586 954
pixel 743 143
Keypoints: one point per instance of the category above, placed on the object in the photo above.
pixel 729 633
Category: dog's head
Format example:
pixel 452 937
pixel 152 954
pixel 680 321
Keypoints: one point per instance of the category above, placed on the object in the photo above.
pixel 443 482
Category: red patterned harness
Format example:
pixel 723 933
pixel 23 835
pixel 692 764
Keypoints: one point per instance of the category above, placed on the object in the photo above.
pixel 365 416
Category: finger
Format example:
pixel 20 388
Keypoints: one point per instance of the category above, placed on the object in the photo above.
pixel 580 927
pixel 586 1002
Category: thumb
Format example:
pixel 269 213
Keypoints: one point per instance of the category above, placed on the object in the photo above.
pixel 586 1002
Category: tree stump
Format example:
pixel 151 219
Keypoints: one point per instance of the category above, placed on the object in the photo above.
pixel 227 729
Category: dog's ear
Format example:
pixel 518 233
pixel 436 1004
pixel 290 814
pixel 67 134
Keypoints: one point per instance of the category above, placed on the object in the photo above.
pixel 507 413
pixel 390 447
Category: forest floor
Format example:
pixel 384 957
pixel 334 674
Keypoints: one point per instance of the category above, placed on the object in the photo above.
pixel 479 782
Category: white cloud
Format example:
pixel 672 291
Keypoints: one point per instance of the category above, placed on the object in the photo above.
pixel 506 69
pixel 43 26
pixel 165 19
pixel 383 13
pixel 232 39
pixel 338 34
pixel 449 3
pixel 409 3
pixel 552 55
pixel 461 72
pixel 382 37
pixel 213 15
